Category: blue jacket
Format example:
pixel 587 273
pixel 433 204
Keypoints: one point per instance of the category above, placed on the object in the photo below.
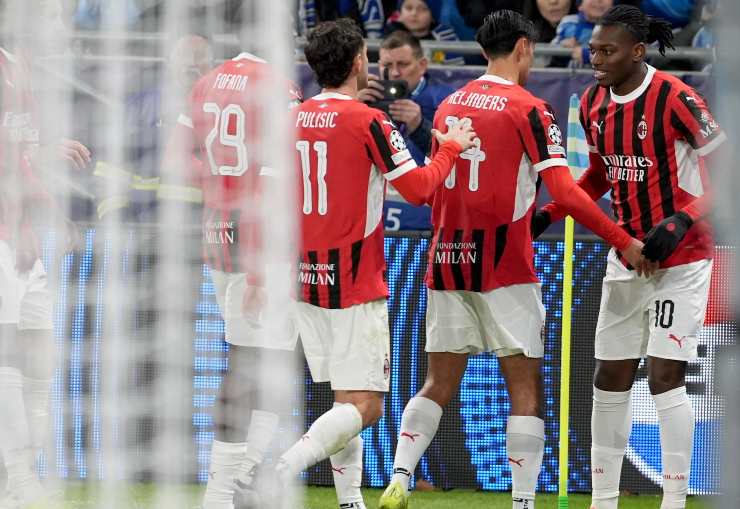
pixel 428 94
pixel 578 27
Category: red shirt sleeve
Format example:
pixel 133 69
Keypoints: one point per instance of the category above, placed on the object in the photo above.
pixel 541 137
pixel 578 204
pixel 693 122
pixel 389 152
pixel 593 182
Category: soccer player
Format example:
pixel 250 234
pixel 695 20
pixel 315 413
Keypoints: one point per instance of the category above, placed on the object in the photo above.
pixel 649 134
pixel 346 152
pixel 216 144
pixel 483 294
pixel 26 336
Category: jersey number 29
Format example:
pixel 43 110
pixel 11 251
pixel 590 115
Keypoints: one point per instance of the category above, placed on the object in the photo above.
pixel 235 140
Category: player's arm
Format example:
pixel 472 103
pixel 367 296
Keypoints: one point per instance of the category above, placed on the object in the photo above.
pixel 417 183
pixel 542 140
pixel 694 123
pixel 593 182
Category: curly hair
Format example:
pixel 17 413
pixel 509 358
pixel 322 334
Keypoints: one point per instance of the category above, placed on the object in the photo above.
pixel 642 27
pixel 330 50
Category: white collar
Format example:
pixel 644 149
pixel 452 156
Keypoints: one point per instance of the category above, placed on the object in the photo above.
pixel 496 79
pixel 624 99
pixel 332 95
pixel 249 56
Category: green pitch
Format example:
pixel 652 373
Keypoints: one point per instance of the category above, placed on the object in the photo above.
pixel 143 496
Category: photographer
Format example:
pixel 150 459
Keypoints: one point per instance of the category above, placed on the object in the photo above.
pixel 402 58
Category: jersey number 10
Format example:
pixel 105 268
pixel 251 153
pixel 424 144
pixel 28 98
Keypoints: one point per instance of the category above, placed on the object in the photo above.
pixel 474 154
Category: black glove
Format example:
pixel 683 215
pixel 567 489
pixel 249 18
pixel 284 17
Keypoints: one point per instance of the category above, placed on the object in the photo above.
pixel 662 240
pixel 540 222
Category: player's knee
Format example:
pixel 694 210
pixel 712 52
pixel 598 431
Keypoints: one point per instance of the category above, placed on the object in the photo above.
pixel 371 411
pixel 439 390
pixel 665 381
pixel 613 376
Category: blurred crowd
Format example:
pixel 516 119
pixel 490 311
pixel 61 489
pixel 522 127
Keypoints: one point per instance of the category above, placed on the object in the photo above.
pixel 567 23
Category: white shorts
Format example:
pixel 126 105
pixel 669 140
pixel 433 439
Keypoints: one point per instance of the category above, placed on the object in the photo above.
pixel 25 299
pixel 658 316
pixel 275 330
pixel 348 347
pixel 507 321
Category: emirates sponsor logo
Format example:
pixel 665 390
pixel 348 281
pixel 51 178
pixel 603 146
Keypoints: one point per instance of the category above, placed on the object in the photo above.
pixel 629 168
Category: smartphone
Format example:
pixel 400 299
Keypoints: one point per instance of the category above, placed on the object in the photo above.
pixel 392 91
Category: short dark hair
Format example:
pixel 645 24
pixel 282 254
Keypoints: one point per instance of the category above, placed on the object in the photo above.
pixel 330 50
pixel 641 27
pixel 501 30
pixel 400 38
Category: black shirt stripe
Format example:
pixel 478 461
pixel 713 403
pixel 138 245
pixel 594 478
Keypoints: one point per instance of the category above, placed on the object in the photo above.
pixel 476 273
pixel 382 143
pixel 624 187
pixel 335 290
pixel 313 289
pixel 437 277
pixel 356 255
pixel 643 195
pixel 661 151
pixel 538 130
pixel 600 137
pixel 233 247
pixel 501 239
pixel 679 126
pixel 457 272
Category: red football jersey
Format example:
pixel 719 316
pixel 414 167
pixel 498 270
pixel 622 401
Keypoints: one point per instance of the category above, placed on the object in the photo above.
pixel 18 134
pixel 651 143
pixel 344 149
pixel 225 115
pixel 481 215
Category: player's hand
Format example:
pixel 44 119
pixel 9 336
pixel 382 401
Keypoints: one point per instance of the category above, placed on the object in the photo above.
pixel 633 255
pixel 253 302
pixel 663 239
pixel 541 221
pixel 26 253
pixel 462 133
pixel 577 54
pixel 373 92
pixel 407 112
pixel 74 153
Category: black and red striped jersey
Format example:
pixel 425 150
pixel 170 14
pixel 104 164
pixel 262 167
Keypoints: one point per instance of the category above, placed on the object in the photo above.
pixel 481 214
pixel 223 128
pixel 652 143
pixel 346 151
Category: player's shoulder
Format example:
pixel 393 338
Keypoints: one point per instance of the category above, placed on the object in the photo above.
pixel 676 85
pixel 524 99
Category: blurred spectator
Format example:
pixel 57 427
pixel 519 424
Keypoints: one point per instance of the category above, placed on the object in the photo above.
pixel 369 14
pixel 402 57
pixel 94 14
pixel 474 11
pixel 677 12
pixel 574 31
pixel 420 17
pixel 546 16
pixel 705 37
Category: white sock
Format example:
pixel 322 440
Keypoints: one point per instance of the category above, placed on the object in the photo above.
pixel 611 423
pixel 329 434
pixel 419 424
pixel 263 427
pixel 14 435
pixel 36 400
pixel 226 461
pixel 676 419
pixel 346 466
pixel 525 444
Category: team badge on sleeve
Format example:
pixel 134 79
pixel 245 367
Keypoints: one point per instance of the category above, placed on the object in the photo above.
pixel 397 140
pixel 555 135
